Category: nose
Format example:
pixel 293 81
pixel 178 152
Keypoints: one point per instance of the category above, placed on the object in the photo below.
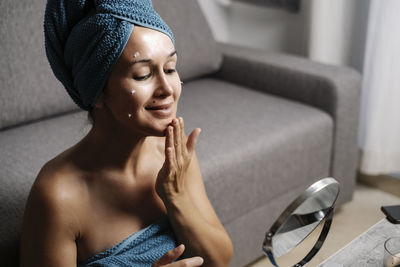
pixel 164 87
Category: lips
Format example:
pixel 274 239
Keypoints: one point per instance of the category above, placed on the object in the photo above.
pixel 159 107
pixel 162 111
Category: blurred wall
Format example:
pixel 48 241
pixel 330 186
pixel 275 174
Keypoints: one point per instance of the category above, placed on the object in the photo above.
pixel 325 30
pixel 216 15
pixel 338 31
pixel 258 27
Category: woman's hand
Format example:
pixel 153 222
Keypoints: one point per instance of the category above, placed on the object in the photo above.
pixel 178 154
pixel 173 254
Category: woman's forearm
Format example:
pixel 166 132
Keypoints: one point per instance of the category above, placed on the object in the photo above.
pixel 200 237
pixel 179 184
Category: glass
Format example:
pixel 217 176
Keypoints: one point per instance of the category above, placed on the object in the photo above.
pixel 391 256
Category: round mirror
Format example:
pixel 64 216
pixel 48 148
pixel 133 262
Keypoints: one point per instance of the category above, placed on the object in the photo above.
pixel 300 219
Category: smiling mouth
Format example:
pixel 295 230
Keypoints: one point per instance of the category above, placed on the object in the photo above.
pixel 161 111
pixel 160 107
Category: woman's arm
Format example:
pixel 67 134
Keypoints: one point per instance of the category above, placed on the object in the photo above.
pixel 49 226
pixel 181 188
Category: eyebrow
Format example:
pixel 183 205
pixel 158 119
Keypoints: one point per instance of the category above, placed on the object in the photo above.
pixel 145 60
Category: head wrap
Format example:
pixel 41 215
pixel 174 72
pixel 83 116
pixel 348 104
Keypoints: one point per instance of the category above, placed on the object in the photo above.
pixel 85 38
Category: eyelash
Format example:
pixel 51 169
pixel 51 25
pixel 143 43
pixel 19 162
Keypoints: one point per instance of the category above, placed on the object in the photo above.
pixel 142 78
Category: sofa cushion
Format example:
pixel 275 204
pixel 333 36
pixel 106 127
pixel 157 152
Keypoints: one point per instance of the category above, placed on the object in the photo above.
pixel 198 53
pixel 274 144
pixel 28 87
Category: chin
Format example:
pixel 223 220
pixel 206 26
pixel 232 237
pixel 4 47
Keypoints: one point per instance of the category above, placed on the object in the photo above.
pixel 156 125
pixel 160 128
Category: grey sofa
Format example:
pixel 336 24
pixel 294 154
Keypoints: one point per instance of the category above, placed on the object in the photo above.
pixel 272 124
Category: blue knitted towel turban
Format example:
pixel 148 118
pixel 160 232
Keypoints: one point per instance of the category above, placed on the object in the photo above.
pixel 85 38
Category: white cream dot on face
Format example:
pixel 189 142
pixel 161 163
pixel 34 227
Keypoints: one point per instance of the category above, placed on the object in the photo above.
pixel 129 115
pixel 137 54
pixel 133 91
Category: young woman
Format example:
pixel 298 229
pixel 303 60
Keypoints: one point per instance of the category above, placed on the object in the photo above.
pixel 130 192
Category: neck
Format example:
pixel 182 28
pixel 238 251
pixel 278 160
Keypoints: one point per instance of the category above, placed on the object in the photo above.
pixel 110 147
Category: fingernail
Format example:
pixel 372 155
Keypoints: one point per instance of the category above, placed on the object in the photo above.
pixel 197 260
pixel 178 248
pixel 201 260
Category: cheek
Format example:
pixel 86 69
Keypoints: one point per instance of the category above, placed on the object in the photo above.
pixel 178 86
pixel 178 92
pixel 123 101
pixel 139 98
pixel 177 89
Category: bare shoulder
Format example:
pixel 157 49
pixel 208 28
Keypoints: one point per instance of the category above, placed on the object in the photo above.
pixel 57 194
pixel 52 219
pixel 59 184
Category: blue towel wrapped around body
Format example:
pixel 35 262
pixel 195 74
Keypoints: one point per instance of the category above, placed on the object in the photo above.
pixel 140 249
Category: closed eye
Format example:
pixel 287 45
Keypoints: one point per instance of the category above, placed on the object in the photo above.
pixel 141 78
pixel 171 70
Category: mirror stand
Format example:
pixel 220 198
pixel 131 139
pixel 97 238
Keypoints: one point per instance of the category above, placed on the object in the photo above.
pixel 312 209
pixel 267 246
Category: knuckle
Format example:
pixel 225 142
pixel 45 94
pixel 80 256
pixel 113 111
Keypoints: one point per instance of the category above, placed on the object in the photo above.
pixel 180 161
pixel 171 177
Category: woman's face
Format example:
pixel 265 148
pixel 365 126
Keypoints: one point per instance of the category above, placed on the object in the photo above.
pixel 143 89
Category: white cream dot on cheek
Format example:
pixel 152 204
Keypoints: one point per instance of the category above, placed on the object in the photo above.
pixel 133 91
pixel 137 54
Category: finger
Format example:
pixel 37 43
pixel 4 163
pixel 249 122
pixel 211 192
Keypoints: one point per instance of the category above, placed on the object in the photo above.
pixel 169 158
pixel 191 262
pixel 169 141
pixel 167 138
pixel 183 137
pixel 177 139
pixel 192 140
pixel 170 256
pixel 169 148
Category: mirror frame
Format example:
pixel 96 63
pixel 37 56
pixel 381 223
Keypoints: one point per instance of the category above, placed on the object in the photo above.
pixel 314 188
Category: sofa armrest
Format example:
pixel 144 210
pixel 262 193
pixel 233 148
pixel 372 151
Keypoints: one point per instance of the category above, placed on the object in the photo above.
pixel 333 89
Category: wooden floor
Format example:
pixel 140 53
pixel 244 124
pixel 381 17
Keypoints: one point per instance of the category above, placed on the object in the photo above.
pixel 388 184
